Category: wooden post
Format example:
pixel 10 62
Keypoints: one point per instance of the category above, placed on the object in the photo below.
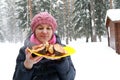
pixel 111 4
pixel 30 9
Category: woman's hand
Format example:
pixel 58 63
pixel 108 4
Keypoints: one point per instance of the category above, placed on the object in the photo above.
pixel 30 61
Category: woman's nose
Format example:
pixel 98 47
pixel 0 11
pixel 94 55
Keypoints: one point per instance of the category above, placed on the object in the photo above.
pixel 44 30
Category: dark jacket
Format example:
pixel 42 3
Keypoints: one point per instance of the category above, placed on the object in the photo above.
pixel 62 69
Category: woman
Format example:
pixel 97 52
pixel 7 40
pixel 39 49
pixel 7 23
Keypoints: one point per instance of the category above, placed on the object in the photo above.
pixel 28 67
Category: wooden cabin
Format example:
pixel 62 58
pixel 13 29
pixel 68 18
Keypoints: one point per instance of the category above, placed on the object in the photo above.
pixel 113 29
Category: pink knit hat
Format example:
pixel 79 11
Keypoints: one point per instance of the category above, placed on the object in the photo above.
pixel 43 18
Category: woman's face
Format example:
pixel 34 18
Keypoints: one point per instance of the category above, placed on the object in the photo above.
pixel 43 33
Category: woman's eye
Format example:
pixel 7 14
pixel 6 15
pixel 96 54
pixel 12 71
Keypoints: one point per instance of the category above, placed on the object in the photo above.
pixel 40 28
pixel 49 28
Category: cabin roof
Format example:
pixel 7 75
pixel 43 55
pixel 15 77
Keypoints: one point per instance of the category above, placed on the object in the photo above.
pixel 112 15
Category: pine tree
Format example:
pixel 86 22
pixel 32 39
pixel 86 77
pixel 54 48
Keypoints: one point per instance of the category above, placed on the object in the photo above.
pixel 41 5
pixel 22 9
pixel 8 26
pixel 100 13
pixel 1 21
pixel 89 18
pixel 116 4
pixel 82 19
pixel 67 19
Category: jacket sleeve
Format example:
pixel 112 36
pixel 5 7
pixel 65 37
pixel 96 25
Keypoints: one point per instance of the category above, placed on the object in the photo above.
pixel 21 73
pixel 65 68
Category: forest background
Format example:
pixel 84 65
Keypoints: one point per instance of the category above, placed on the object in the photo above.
pixel 76 18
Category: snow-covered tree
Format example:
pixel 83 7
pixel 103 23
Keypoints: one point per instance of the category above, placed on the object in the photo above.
pixel 13 33
pixel 8 26
pixel 89 18
pixel 1 21
pixel 82 19
pixel 116 4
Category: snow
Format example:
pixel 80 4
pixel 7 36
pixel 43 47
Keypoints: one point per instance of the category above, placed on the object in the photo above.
pixel 114 14
pixel 8 56
pixel 93 61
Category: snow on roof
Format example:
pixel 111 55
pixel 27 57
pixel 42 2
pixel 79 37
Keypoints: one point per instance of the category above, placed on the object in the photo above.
pixel 113 14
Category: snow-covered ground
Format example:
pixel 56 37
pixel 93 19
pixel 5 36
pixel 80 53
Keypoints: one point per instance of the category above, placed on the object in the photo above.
pixel 93 61
pixel 96 61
